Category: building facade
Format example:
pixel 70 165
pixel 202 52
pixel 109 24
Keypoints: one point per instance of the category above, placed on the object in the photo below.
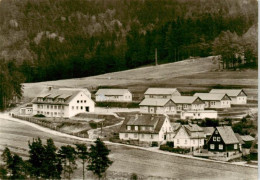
pixel 146 128
pixel 160 93
pixel 157 106
pixel 238 96
pixel 214 101
pixel 187 103
pixel 62 103
pixel 199 114
pixel 113 95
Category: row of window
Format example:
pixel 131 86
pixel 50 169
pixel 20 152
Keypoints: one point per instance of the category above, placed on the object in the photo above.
pixel 186 141
pixel 76 107
pixel 50 106
pixel 81 101
pixel 136 128
pixel 220 146
pixel 50 113
pixel 136 135
pixel 50 100
pixel 216 139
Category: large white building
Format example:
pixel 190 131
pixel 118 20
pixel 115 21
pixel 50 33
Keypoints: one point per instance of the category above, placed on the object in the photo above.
pixel 238 96
pixel 146 128
pixel 157 106
pixel 62 103
pixel 113 95
pixel 166 93
pixel 215 101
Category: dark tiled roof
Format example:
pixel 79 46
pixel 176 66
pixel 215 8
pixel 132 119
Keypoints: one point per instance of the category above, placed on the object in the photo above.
pixel 227 134
pixel 239 138
pixel 155 121
pixel 208 130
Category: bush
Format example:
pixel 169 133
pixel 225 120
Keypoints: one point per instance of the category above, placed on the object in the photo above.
pixel 169 143
pixel 118 104
pixel 134 176
pixel 39 115
pixel 93 125
pixel 154 144
pixel 175 150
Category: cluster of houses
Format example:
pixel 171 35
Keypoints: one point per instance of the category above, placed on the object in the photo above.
pixel 220 141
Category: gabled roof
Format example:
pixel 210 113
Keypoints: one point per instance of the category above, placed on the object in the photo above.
pixel 163 91
pixel 239 138
pixel 211 96
pixel 227 134
pixel 229 92
pixel 184 99
pixel 247 138
pixel 193 128
pixel 193 131
pixel 208 130
pixel 77 89
pixel 112 92
pixel 55 94
pixel 155 121
pixel 154 102
pixel 175 126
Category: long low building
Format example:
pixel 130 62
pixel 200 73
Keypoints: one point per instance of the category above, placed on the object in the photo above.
pixel 159 93
pixel 200 114
pixel 188 103
pixel 215 101
pixel 157 106
pixel 62 103
pixel 113 95
pixel 238 96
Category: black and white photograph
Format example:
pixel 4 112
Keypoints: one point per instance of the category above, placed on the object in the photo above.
pixel 129 89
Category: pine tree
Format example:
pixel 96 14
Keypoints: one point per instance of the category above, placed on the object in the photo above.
pixel 82 154
pixel 98 158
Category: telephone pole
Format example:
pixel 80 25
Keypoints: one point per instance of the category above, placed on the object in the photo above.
pixel 156 63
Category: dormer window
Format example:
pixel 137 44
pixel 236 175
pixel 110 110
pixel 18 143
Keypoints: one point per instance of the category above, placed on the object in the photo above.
pixel 136 128
pixel 216 132
pixel 128 128
pixel 40 99
pixel 61 100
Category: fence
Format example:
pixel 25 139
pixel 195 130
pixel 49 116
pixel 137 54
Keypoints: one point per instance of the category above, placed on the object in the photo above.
pixel 49 125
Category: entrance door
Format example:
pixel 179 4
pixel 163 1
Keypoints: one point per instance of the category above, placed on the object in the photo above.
pixel 87 109
pixel 165 137
pixel 151 110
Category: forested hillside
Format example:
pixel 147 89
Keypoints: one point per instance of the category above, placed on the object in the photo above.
pixel 52 39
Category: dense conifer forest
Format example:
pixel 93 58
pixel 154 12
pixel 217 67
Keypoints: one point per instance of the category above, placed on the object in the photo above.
pixel 50 39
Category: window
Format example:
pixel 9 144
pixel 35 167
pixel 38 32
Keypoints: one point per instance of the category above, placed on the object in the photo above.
pixel 151 96
pixel 142 135
pixel 185 141
pixel 214 138
pixel 198 114
pixel 126 135
pixel 200 141
pixel 216 132
pixel 47 106
pixel 81 107
pixel 38 112
pixel 178 141
pixel 129 128
pixel 77 101
pixel 151 136
pixel 143 128
pixel 136 128
pixel 85 101
pixel 220 146
pixel 193 141
pixel 235 146
pixel 135 135
pixel 218 139
pixel 72 107
pixel 77 107
pixel 81 101
pixel 151 128
pixel 212 146
pixel 55 113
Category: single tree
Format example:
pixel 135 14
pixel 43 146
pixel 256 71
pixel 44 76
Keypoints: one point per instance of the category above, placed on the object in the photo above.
pixel 36 157
pixel 68 158
pixel 51 166
pixel 82 153
pixel 98 158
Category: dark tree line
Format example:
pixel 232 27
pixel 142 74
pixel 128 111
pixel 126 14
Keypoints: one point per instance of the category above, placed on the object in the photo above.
pixel 49 162
pixel 66 39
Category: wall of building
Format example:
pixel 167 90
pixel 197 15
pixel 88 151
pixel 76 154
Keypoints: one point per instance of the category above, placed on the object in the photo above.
pixel 127 97
pixel 158 110
pixel 198 115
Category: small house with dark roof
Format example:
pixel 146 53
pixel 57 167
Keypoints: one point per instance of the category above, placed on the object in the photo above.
pixel 215 101
pixel 223 140
pixel 157 106
pixel 146 128
pixel 166 93
pixel 113 95
pixel 238 96
pixel 189 136
pixel 188 103
pixel 62 103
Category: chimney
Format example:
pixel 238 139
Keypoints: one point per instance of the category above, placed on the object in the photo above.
pixel 49 88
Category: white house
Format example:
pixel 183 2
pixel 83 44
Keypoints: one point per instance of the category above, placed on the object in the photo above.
pixel 62 103
pixel 146 128
pixel 166 93
pixel 238 96
pixel 199 114
pixel 157 106
pixel 189 136
pixel 27 110
pixel 188 103
pixel 216 101
pixel 113 95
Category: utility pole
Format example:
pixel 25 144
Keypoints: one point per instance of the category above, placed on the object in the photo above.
pixel 156 63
